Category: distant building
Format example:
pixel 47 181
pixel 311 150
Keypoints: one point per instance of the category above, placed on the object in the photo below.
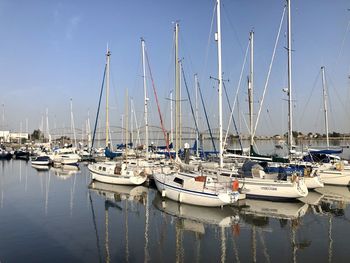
pixel 4 136
pixel 7 136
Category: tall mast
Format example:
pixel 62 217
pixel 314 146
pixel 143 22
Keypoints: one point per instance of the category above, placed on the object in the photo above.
pixel 47 125
pixel 145 95
pixel 325 103
pixel 132 121
pixel 171 118
pixel 251 88
pixel 220 81
pixel 289 48
pixel 197 115
pixel 108 54
pixel 177 91
pixel 72 122
pixel 126 121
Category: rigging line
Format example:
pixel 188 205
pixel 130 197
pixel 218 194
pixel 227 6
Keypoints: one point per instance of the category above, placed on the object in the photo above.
pixel 309 98
pixel 95 227
pixel 209 37
pixel 343 42
pixel 159 112
pixel 187 55
pixel 234 122
pixel 206 117
pixel 232 26
pixel 189 98
pixel 98 109
pixel 269 72
pixel 338 96
pixel 238 86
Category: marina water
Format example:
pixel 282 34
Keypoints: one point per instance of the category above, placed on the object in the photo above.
pixel 58 215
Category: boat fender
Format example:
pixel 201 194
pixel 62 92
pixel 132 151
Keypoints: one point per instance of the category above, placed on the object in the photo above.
pixel 180 197
pixel 163 193
pixel 307 171
pixel 295 178
pixel 235 185
pixel 339 166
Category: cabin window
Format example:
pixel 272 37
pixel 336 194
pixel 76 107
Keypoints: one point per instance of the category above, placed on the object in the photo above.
pixel 104 169
pixel 100 168
pixel 178 180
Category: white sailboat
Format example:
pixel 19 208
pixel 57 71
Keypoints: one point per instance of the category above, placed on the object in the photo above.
pixel 117 173
pixel 259 184
pixel 196 188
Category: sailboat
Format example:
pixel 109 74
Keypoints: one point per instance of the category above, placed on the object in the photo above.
pixel 254 182
pixel 281 165
pixel 115 172
pixel 196 188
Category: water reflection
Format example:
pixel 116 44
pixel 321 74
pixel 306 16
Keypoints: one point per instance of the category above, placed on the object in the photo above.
pixel 65 171
pixel 118 197
pixel 133 224
pixel 279 210
pixel 195 217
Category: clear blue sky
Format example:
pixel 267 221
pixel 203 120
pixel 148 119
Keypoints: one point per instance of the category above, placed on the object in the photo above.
pixel 51 51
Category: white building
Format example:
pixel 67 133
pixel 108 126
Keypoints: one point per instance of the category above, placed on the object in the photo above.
pixel 4 136
pixel 7 136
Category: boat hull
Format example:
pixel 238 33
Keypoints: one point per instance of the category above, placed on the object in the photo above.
pixel 112 178
pixel 191 196
pixel 271 189
pixel 335 177
pixel 313 182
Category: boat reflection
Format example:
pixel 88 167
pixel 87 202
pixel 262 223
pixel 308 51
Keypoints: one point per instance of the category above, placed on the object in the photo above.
pixel 119 192
pixel 313 198
pixel 278 210
pixel 335 194
pixel 118 197
pixel 65 171
pixel 223 217
pixel 41 168
pixel 196 219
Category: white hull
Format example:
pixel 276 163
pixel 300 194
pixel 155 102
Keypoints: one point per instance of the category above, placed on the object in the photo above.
pixel 108 176
pixel 313 182
pixel 69 161
pixel 40 162
pixel 335 177
pixel 272 189
pixel 195 195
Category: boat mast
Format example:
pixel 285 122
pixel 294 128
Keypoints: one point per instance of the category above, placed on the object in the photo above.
pixel 108 54
pixel 218 38
pixel 126 121
pixel 171 118
pixel 132 122
pixel 251 87
pixel 177 91
pixel 72 122
pixel 289 48
pixel 196 92
pixel 145 95
pixel 47 125
pixel 325 104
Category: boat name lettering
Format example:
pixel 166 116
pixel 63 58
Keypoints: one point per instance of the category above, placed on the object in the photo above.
pixel 269 188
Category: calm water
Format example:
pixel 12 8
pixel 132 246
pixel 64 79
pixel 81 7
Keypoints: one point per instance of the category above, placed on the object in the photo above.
pixel 56 215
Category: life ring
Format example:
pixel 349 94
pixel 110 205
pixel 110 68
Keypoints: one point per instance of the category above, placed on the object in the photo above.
pixel 235 185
